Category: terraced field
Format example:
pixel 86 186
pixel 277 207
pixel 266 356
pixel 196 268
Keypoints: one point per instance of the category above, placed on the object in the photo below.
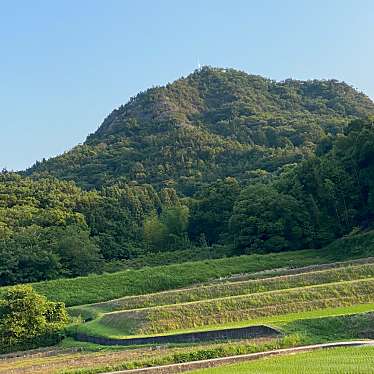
pixel 227 289
pixel 315 303
pixel 95 359
pixel 231 303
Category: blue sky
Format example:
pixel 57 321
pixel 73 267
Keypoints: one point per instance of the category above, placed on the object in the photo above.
pixel 64 65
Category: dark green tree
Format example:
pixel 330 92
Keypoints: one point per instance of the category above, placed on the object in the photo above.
pixel 78 254
pixel 212 209
pixel 266 220
pixel 169 230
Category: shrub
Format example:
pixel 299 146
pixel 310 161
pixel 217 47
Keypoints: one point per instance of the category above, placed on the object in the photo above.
pixel 29 320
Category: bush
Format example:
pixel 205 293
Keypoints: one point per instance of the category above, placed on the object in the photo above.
pixel 29 320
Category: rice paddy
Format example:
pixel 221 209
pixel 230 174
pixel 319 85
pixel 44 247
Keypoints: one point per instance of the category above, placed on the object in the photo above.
pixel 356 360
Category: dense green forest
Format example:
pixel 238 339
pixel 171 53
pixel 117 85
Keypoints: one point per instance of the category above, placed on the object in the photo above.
pixel 313 203
pixel 51 228
pixel 308 205
pixel 218 163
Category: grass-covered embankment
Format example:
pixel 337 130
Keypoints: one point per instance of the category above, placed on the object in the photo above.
pixel 97 288
pixel 226 289
pixel 158 320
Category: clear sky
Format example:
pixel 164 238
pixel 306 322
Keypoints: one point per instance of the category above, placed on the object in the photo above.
pixel 64 65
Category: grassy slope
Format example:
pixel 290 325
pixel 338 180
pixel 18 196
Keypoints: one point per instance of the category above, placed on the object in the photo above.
pixel 357 360
pixel 353 246
pixel 97 288
pixel 96 328
pixel 168 318
pixel 227 289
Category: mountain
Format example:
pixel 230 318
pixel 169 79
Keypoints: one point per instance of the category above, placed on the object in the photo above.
pixel 212 124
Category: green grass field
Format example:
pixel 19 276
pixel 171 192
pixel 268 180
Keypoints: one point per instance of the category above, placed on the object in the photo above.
pixel 356 360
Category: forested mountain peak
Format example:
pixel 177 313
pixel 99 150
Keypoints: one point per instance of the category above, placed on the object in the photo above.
pixel 212 124
pixel 207 90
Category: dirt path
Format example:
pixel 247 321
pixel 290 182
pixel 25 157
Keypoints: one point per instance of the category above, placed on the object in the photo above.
pixel 179 368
